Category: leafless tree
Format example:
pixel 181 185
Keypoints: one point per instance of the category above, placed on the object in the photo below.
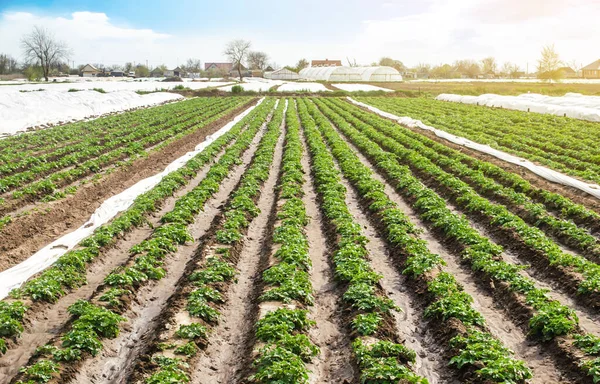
pixel 389 62
pixel 237 52
pixel 549 64
pixel 510 70
pixel 258 60
pixel 193 66
pixel 351 63
pixel 42 48
pixel 7 64
pixel 489 65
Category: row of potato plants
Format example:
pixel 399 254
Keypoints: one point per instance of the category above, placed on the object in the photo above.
pixel 206 286
pixel 453 162
pixel 559 143
pixel 87 328
pixel 567 145
pixel 380 358
pixel 123 150
pixel 69 271
pixel 564 206
pixel 582 274
pixel 447 300
pixel 19 147
pixel 548 318
pixel 92 146
pixel 283 348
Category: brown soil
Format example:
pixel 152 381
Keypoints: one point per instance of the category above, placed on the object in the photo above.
pixel 500 324
pixel 410 322
pixel 25 235
pixel 574 194
pixel 334 363
pixel 230 342
pixel 118 357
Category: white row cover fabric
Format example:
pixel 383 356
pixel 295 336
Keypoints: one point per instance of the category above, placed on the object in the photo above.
pixel 352 74
pixel 296 87
pixel 17 275
pixel 546 173
pixel 573 105
pixel 22 110
pixel 361 87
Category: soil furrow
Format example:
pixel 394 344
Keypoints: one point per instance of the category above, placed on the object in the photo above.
pixel 410 321
pixel 230 341
pixel 25 235
pixel 499 322
pixel 116 361
pixel 334 363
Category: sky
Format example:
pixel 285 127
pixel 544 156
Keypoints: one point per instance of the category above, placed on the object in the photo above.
pixel 412 31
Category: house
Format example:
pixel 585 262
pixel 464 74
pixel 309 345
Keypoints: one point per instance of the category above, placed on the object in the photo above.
pixel 326 63
pixel 269 69
pixel 157 72
pixel 409 75
pixel 225 67
pixel 568 72
pixel 117 73
pixel 245 71
pixel 177 72
pixel 90 71
pixel 591 71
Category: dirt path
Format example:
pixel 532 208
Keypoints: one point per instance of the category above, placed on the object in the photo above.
pixel 543 366
pixel 27 234
pixel 410 323
pixel 119 355
pixel 230 342
pixel 335 362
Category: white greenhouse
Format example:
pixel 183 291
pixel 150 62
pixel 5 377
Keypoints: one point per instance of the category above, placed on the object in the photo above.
pixel 282 74
pixel 351 74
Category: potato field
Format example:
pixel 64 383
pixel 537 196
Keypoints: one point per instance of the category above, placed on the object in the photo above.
pixel 310 240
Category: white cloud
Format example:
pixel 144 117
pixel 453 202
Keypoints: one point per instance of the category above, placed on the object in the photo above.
pixel 510 30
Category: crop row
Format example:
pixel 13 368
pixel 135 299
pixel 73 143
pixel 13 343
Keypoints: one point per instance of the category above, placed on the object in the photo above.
pixel 447 300
pixel 456 163
pixel 20 147
pixel 149 136
pixel 379 357
pixel 283 347
pixel 69 272
pixel 63 156
pixel 206 286
pixel 547 318
pixel 501 219
pixel 565 144
pixel 87 328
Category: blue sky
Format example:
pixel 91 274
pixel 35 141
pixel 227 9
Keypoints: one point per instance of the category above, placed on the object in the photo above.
pixel 413 31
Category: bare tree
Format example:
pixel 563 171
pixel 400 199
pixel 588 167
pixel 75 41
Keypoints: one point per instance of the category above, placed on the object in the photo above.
pixel 489 65
pixel 41 47
pixel 510 70
pixel 351 63
pixel 193 66
pixel 549 64
pixel 237 52
pixel 469 68
pixel 258 60
pixel 7 64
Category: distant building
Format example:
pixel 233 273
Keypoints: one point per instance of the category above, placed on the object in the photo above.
pixel 117 73
pixel 409 75
pixel 591 71
pixel 177 72
pixel 282 74
pixel 568 72
pixel 225 67
pixel 326 63
pixel 157 72
pixel 245 71
pixel 90 71
pixel 269 69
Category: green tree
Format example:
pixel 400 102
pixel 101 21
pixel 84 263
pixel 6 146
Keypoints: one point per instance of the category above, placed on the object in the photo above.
pixel 142 71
